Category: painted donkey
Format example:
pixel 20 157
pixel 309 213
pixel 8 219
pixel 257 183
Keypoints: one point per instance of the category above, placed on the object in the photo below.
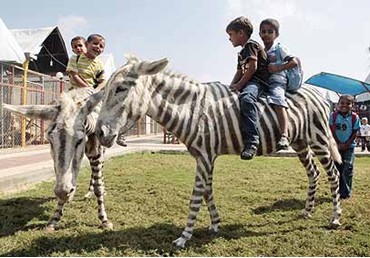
pixel 71 134
pixel 205 117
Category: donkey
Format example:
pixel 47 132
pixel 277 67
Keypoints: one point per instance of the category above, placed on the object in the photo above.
pixel 205 117
pixel 71 134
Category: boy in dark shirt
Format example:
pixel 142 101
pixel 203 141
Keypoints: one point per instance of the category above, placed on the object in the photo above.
pixel 250 79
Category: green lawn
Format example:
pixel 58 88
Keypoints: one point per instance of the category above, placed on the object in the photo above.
pixel 147 200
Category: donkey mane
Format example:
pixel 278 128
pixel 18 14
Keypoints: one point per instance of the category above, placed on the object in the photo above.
pixel 70 103
pixel 132 59
pixel 176 75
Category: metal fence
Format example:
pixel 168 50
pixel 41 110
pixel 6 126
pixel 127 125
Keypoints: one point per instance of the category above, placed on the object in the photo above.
pixel 18 87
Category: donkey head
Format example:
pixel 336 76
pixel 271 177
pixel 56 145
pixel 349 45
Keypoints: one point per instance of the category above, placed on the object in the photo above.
pixel 66 134
pixel 127 97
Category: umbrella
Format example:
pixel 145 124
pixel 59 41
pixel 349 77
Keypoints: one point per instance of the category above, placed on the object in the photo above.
pixel 339 84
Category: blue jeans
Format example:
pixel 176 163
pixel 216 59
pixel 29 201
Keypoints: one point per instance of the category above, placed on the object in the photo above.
pixel 346 172
pixel 249 113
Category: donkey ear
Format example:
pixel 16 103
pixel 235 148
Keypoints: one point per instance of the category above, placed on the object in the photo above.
pixel 44 112
pixel 150 68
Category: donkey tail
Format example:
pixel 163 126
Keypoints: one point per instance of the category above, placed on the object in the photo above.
pixel 333 147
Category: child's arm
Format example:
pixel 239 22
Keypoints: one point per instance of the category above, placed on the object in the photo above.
pixel 275 68
pixel 237 76
pixel 76 78
pixel 348 143
pixel 252 68
pixel 356 126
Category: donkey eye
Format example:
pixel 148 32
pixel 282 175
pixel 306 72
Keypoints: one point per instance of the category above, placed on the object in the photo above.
pixel 79 142
pixel 121 89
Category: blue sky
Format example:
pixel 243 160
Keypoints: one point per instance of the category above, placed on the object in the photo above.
pixel 330 35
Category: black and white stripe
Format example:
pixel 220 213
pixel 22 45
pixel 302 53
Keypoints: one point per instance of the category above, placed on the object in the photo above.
pixel 205 117
pixel 71 134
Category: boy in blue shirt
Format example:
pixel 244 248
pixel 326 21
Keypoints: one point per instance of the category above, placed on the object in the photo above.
pixel 344 125
pixel 280 60
pixel 250 79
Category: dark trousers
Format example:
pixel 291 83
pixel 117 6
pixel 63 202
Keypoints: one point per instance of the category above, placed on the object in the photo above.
pixel 346 172
pixel 365 143
pixel 249 113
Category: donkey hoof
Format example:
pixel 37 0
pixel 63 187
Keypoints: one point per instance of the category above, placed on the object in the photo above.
pixel 107 225
pixel 88 195
pixel 334 224
pixel 50 228
pixel 306 215
pixel 214 228
pixel 179 243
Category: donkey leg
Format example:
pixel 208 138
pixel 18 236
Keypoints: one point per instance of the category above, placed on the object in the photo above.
pixel 208 197
pixel 56 217
pixel 91 188
pixel 324 156
pixel 90 191
pixel 195 201
pixel 95 154
pixel 306 158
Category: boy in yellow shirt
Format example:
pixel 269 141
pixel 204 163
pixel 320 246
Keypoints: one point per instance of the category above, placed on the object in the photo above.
pixel 88 70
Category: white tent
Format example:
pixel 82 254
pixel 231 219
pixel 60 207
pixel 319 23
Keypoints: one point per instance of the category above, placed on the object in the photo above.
pixel 46 48
pixel 31 40
pixel 365 96
pixel 108 62
pixel 327 94
pixel 10 50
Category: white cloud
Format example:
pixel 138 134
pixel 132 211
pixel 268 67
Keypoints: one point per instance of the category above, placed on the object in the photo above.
pixel 257 10
pixel 71 26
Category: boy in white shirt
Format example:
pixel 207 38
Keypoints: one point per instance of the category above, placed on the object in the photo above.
pixel 365 134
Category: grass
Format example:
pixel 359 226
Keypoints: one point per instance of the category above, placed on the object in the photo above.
pixel 147 200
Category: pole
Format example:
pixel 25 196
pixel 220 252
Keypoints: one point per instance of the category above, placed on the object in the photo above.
pixel 24 100
pixel 1 105
pixel 61 85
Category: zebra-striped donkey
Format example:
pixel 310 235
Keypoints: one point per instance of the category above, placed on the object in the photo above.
pixel 205 117
pixel 71 133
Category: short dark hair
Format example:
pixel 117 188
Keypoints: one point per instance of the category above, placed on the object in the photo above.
pixel 272 22
pixel 78 38
pixel 350 98
pixel 94 36
pixel 241 24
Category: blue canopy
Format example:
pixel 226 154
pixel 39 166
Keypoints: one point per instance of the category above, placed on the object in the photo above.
pixel 339 84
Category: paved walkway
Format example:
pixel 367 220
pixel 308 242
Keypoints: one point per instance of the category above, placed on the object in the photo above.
pixel 20 167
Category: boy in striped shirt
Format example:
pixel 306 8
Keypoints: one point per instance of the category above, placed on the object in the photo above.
pixel 88 70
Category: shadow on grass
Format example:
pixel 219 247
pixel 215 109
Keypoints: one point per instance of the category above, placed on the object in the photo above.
pixel 16 213
pixel 288 205
pixel 153 241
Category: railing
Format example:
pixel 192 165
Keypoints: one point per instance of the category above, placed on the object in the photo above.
pixel 31 88
pixel 39 89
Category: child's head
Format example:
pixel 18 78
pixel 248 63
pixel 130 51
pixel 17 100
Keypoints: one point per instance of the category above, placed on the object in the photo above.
pixel 95 45
pixel 345 103
pixel 78 45
pixel 364 120
pixel 239 31
pixel 269 31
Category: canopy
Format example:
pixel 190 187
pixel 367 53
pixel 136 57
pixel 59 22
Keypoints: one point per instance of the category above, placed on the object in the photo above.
pixel 108 63
pixel 46 47
pixel 339 83
pixel 10 50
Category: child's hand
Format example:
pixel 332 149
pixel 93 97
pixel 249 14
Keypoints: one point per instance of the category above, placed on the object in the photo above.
pixel 343 146
pixel 235 87
pixel 274 68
